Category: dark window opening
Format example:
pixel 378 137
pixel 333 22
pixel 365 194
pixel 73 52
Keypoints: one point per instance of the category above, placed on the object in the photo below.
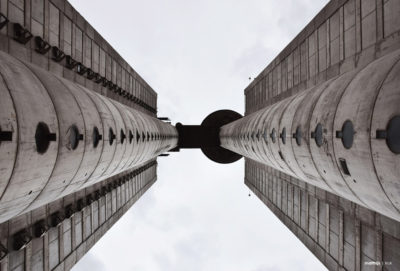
pixel 281 155
pixel 273 135
pixel 265 136
pixel 130 137
pixel 123 136
pixel 5 135
pixel 96 137
pixel 283 135
pixel 111 136
pixel 298 135
pixel 344 166
pixel 318 135
pixel 346 134
pixel 43 137
pixel 73 137
pixel 137 136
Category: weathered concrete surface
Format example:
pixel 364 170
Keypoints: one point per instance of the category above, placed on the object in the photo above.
pixel 325 154
pixel 72 189
pixel 57 143
pixel 61 245
pixel 345 35
pixel 59 25
pixel 341 234
pixel 343 38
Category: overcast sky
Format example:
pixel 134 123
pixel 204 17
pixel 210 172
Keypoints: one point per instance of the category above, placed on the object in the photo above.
pixel 198 56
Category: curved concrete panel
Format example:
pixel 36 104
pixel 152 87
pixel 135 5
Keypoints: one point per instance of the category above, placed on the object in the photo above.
pixel 91 161
pixel 71 127
pixel 38 134
pixel 287 149
pixel 356 105
pixel 386 160
pixel 9 130
pixel 323 157
pixel 302 152
pixel 341 135
pixel 60 137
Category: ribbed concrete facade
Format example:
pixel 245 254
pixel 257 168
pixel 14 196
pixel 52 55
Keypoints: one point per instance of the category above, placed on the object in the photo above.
pixel 57 72
pixel 54 36
pixel 319 82
pixel 65 137
pixel 344 37
pixel 57 235
pixel 329 135
pixel 341 234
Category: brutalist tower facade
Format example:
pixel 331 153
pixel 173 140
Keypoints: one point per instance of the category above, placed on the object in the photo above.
pixel 321 135
pixel 79 135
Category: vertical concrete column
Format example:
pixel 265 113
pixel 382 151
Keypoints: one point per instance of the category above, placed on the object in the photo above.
pixel 58 137
pixel 341 135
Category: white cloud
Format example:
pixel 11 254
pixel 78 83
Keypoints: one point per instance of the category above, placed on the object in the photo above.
pixel 91 262
pixel 198 56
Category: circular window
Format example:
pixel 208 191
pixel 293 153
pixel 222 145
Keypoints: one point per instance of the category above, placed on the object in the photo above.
pixel 96 137
pixel 130 137
pixel 273 135
pixel 318 135
pixel 393 134
pixel 348 134
pixel 73 137
pixel 265 136
pixel 283 135
pixel 123 136
pixel 298 135
pixel 137 136
pixel 111 136
pixel 43 137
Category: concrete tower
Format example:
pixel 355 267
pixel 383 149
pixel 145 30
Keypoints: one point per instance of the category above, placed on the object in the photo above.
pixel 79 136
pixel 321 135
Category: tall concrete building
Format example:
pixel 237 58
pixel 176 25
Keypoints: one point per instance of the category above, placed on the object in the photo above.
pixel 79 135
pixel 321 135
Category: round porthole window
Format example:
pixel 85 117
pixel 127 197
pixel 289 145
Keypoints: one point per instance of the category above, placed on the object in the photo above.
pixel 130 137
pixel 393 135
pixel 273 135
pixel 123 136
pixel 318 135
pixel 73 137
pixel 96 137
pixel 298 135
pixel 283 135
pixel 347 134
pixel 265 136
pixel 111 136
pixel 43 137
